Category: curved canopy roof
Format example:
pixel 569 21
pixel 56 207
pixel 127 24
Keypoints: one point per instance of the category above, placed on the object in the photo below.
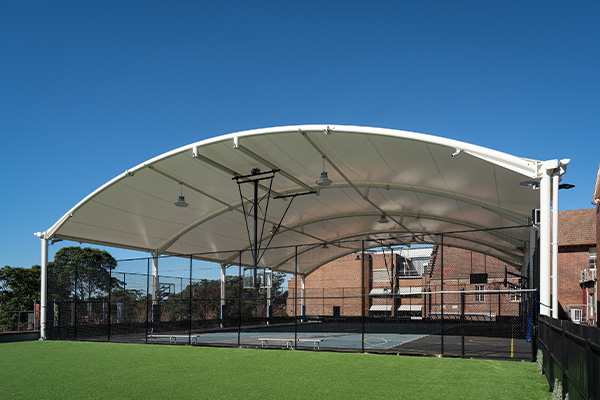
pixel 422 183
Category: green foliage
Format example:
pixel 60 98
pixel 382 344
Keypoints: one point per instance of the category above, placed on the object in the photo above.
pixel 19 290
pixel 19 286
pixel 207 300
pixel 81 274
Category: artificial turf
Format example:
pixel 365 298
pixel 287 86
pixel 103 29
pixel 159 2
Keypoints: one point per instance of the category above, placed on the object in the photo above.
pixel 85 370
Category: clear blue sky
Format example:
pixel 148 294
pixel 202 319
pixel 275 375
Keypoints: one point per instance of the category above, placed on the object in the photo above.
pixel 89 89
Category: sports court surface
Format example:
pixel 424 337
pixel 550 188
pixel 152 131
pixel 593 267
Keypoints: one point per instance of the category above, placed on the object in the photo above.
pixel 341 337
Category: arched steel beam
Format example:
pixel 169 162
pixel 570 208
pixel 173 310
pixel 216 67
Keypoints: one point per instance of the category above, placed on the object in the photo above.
pixel 296 226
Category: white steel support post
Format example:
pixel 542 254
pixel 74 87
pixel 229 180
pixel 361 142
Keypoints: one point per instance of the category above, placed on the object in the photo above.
pixel 545 190
pixel 269 309
pixel 223 294
pixel 303 296
pixel 155 290
pixel 555 181
pixel 44 288
pixel 154 279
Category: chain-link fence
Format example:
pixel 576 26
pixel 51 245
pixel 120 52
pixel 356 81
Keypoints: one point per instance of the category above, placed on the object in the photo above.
pixel 442 294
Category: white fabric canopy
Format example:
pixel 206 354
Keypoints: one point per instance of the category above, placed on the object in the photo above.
pixel 381 308
pixel 410 307
pixel 409 290
pixel 380 291
pixel 423 184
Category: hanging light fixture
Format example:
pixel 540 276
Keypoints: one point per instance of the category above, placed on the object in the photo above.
pixel 324 180
pixel 533 184
pixel 566 186
pixel 383 219
pixel 181 200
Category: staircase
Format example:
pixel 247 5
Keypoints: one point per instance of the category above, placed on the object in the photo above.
pixel 432 260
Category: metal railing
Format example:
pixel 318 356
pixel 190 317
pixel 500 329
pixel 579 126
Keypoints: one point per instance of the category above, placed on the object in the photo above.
pixel 588 275
pixel 571 357
pixel 19 321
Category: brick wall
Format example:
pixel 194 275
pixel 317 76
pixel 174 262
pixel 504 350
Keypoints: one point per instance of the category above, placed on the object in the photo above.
pixel 571 261
pixel 598 226
pixel 458 266
pixel 336 284
pixel 577 232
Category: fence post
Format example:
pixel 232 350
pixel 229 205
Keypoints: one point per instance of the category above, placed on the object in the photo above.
pixel 295 295
pixel 147 295
pixel 530 329
pixel 240 299
pixel 109 299
pixel 190 302
pixel 550 338
pixel 362 290
pixel 442 287
pixel 75 301
pixel 591 365
pixel 462 320
pixel 563 361
pixel 499 301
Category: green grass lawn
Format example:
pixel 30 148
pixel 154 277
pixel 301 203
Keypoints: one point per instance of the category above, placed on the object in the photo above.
pixel 83 370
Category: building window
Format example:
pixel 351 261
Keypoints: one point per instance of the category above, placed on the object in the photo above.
pixel 575 314
pixel 592 257
pixel 479 297
pixel 515 297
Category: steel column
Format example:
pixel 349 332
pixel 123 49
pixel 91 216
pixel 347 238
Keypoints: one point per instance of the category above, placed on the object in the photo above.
pixel 555 181
pixel 44 289
pixel 545 302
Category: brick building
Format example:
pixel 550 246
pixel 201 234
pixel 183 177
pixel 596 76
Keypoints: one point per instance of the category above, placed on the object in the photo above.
pixel 396 283
pixel 392 284
pixel 475 274
pixel 576 254
pixel 334 289
pixel 589 276
pixel 406 284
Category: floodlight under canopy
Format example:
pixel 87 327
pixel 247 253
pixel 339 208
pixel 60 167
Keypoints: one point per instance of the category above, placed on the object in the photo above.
pixel 181 200
pixel 323 179
pixel 383 219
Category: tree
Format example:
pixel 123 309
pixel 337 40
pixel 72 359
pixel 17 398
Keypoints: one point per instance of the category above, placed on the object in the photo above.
pixel 81 274
pixel 19 289
pixel 207 299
